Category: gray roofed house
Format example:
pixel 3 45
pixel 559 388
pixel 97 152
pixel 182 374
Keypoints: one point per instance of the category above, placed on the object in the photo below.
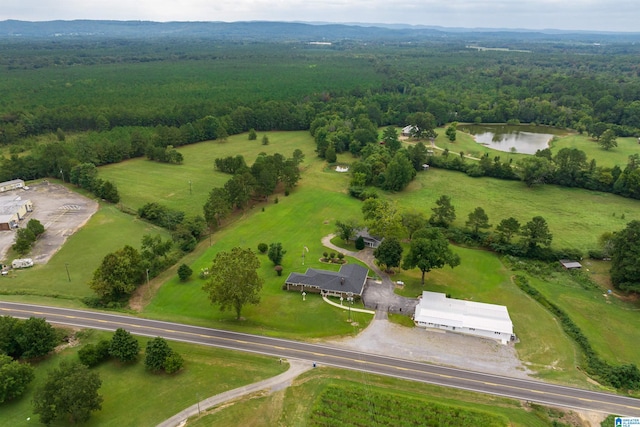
pixel 369 240
pixel 349 280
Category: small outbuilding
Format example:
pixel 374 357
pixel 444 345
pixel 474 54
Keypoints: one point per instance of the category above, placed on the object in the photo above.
pixel 436 311
pixel 570 265
pixel 14 184
pixel 350 280
pixel 369 240
pixel 12 210
pixel 408 130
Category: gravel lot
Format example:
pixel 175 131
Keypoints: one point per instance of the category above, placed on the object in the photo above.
pixel 60 210
pixel 441 347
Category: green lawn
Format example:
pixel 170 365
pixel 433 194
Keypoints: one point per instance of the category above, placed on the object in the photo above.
pixel 576 217
pixel 108 230
pixel 142 181
pixel 610 331
pixel 134 397
pixel 293 406
pixel 300 220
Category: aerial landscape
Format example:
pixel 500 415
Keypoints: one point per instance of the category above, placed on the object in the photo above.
pixel 320 214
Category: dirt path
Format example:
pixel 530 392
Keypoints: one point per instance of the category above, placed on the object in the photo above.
pixel 270 385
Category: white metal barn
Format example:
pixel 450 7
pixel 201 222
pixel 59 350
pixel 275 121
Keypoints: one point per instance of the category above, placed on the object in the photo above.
pixel 436 311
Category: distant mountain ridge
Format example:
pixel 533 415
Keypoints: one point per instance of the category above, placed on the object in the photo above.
pixel 279 31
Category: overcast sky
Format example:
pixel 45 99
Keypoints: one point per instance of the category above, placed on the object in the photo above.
pixel 600 15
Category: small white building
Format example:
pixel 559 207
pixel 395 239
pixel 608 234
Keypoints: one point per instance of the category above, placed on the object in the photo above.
pixel 436 311
pixel 11 185
pixel 13 210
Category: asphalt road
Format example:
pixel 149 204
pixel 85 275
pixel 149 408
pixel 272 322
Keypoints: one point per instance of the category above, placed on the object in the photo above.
pixel 534 391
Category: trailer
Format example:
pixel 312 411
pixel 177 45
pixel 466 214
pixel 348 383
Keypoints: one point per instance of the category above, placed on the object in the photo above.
pixel 22 263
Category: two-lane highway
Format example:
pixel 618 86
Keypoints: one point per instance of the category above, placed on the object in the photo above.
pixel 534 391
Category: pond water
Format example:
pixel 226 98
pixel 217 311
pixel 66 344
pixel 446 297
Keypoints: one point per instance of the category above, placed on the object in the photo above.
pixel 525 139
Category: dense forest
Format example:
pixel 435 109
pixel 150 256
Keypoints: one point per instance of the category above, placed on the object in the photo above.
pixel 123 97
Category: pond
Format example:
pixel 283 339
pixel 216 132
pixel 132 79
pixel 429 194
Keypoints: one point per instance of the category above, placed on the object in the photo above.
pixel 525 139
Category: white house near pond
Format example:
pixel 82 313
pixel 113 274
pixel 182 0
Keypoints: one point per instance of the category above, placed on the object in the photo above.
pixel 436 311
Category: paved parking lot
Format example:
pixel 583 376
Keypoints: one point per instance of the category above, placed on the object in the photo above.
pixel 60 210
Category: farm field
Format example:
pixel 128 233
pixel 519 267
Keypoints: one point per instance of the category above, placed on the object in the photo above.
pixel 576 217
pixel 295 405
pixel 187 186
pixel 135 397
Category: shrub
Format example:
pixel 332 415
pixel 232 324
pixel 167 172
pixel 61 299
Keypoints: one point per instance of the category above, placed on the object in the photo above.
pixel 184 272
pixel 93 354
pixel 263 248
pixel 359 243
pixel 278 269
pixel 173 363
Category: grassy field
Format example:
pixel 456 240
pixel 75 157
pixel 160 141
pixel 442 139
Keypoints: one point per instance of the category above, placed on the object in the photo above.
pixel 187 186
pixel 616 156
pixel 293 406
pixel 299 220
pixel 134 397
pixel 108 230
pixel 576 217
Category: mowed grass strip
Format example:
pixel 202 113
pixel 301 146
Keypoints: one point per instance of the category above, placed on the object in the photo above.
pixel 106 231
pixel 576 217
pixel 295 405
pixel 135 397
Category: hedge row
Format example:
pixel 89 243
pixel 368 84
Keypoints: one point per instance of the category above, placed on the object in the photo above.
pixel 621 376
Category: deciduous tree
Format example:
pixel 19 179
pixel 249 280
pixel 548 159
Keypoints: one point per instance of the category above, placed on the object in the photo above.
pixel 347 229
pixel 608 140
pixel 389 253
pixel 119 274
pixel 535 170
pixel 124 346
pixel 70 394
pixel 35 338
pixel 234 280
pixel 430 250
pixel 156 354
pixel 14 378
pixel 625 258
